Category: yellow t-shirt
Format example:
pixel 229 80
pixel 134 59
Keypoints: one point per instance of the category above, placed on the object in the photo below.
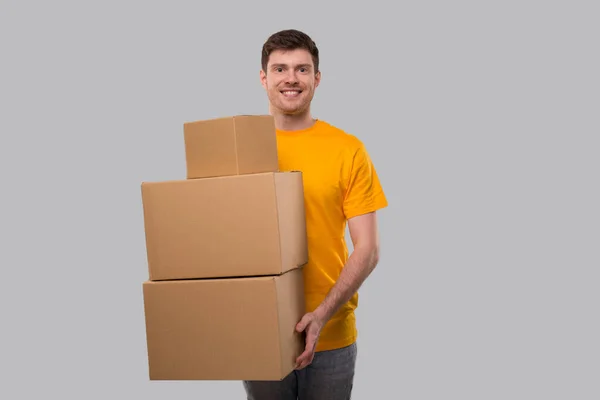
pixel 340 182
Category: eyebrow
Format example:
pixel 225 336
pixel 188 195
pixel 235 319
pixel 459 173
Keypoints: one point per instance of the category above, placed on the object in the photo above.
pixel 297 66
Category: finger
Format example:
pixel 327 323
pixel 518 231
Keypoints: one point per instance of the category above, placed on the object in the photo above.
pixel 302 365
pixel 303 323
pixel 306 357
pixel 303 358
pixel 305 361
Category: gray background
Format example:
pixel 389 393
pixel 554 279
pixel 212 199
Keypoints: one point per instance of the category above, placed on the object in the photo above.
pixel 482 120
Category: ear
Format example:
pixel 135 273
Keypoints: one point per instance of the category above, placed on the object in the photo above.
pixel 263 78
pixel 317 78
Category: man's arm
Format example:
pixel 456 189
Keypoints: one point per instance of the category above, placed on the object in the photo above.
pixel 361 262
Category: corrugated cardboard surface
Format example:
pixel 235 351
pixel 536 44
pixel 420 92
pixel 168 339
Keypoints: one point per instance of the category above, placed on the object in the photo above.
pixel 243 144
pixel 224 329
pixel 240 225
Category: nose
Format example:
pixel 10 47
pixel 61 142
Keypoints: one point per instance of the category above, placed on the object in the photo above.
pixel 291 78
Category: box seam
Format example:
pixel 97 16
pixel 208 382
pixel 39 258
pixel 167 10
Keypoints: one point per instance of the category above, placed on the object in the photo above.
pixel 279 332
pixel 148 227
pixel 235 146
pixel 279 231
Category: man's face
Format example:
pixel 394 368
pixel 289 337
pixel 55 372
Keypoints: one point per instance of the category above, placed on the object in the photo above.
pixel 290 80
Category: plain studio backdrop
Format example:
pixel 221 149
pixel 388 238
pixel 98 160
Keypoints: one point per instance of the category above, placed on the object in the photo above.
pixel 482 121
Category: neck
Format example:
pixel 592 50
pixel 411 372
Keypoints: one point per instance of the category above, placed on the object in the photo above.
pixel 295 122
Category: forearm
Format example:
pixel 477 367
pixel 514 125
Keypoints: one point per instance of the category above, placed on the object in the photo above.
pixel 359 266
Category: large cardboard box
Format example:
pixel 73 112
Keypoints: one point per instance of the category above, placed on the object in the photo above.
pixel 243 144
pixel 239 225
pixel 224 329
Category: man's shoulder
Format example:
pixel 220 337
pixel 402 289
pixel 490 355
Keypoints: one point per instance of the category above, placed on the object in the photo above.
pixel 343 136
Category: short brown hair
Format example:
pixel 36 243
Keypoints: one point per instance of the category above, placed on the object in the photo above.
pixel 289 39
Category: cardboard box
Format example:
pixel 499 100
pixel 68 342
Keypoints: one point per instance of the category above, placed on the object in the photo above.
pixel 224 329
pixel 243 144
pixel 240 225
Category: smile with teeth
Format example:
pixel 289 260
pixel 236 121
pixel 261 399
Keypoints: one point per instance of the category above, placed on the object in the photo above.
pixel 291 93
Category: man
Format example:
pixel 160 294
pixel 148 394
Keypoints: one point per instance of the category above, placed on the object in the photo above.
pixel 341 187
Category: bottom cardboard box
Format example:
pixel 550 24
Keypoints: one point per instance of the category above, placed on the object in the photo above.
pixel 224 329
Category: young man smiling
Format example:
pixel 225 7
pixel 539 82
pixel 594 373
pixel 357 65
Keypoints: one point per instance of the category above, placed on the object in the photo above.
pixel 341 187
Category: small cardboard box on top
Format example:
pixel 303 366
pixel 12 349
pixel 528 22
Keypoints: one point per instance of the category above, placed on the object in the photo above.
pixel 243 144
pixel 225 249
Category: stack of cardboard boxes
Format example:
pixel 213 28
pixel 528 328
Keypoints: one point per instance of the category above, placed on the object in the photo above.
pixel 225 247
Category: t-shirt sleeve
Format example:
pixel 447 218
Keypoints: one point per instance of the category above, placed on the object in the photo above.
pixel 364 192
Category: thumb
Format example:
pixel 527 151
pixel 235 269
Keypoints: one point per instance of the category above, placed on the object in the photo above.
pixel 303 323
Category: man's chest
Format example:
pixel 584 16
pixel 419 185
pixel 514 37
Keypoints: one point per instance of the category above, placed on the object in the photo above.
pixel 322 175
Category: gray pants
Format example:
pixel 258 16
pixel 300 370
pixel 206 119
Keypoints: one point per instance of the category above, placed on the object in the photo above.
pixel 329 377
